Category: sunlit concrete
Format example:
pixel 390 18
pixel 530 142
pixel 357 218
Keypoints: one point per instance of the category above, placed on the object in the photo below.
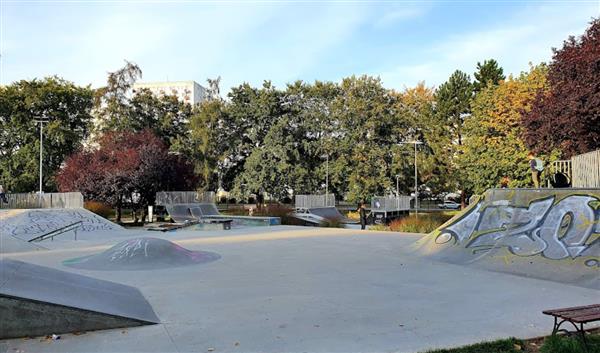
pixel 294 289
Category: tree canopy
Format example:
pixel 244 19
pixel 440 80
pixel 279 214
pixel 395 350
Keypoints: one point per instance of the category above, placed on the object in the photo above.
pixel 127 168
pixel 68 109
pixel 567 115
pixel 488 73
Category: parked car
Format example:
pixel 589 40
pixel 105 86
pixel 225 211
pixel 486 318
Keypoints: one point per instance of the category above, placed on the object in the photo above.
pixel 450 205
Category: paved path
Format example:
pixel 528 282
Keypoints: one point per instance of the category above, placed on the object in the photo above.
pixel 288 289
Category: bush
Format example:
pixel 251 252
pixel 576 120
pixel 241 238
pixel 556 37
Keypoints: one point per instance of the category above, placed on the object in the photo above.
pixel 423 223
pixel 332 223
pixel 99 208
pixel 236 211
pixel 353 215
pixel 278 210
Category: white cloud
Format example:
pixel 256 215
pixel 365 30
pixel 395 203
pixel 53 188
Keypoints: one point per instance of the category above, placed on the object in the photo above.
pixel 404 12
pixel 526 37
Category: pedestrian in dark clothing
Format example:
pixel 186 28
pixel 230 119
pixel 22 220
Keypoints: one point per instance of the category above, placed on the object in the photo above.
pixel 362 210
pixel 3 195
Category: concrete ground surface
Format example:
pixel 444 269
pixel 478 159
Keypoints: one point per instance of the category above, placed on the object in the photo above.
pixel 296 289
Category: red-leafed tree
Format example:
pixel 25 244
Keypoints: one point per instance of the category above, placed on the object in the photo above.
pixel 567 115
pixel 126 168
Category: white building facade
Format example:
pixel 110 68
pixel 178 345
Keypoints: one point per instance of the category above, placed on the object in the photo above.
pixel 186 91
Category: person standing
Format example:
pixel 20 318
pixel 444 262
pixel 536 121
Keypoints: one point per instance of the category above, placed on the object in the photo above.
pixel 3 195
pixel 362 210
pixel 537 167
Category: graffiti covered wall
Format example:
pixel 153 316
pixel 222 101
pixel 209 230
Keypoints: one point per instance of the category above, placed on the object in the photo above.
pixel 528 230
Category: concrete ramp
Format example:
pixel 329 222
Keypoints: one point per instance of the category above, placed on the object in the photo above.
pixel 189 212
pixel 27 224
pixel 142 254
pixel 37 300
pixel 551 234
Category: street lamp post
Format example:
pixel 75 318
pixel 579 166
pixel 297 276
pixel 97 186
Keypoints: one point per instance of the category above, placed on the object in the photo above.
pixel 42 119
pixel 416 183
pixel 397 191
pixel 326 174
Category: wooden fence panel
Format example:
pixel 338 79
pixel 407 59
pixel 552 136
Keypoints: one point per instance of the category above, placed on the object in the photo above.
pixel 586 170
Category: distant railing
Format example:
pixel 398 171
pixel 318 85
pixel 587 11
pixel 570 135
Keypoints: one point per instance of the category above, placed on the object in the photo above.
pixel 313 201
pixel 390 203
pixel 46 200
pixel 586 170
pixel 174 197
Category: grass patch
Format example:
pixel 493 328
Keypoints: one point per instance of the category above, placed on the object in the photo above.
pixel 511 345
pixel 550 344
pixel 573 344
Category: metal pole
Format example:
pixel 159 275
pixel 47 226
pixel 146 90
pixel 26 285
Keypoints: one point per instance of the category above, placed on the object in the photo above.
pixel 41 151
pixel 397 192
pixel 327 177
pixel 416 184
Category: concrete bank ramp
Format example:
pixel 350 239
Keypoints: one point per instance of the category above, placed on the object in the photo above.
pixel 37 300
pixel 551 234
pixel 318 215
pixel 332 214
pixel 31 223
pixel 142 254
pixel 188 212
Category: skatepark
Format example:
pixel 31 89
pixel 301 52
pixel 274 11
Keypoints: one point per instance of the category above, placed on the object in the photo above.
pixel 297 289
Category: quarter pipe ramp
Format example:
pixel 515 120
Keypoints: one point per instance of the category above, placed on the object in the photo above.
pixel 551 234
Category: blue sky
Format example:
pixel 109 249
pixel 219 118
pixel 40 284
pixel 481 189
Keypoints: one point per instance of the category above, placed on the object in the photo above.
pixel 403 42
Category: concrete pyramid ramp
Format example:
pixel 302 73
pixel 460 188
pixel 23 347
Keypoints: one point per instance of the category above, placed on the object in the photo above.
pixel 551 234
pixel 37 300
pixel 31 223
pixel 142 254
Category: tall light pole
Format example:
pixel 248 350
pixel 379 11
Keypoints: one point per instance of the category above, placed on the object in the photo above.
pixel 326 174
pixel 41 119
pixel 397 191
pixel 416 183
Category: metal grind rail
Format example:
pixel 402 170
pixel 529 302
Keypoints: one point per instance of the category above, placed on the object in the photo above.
pixel 59 231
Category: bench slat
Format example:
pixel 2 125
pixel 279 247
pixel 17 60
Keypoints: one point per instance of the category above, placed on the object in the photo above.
pixel 555 312
pixel 583 312
pixel 585 319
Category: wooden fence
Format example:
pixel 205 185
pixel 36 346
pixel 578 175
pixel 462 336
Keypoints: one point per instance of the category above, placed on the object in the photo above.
pixel 586 170
pixel 46 200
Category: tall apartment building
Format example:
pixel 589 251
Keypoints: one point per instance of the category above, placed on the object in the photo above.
pixel 186 91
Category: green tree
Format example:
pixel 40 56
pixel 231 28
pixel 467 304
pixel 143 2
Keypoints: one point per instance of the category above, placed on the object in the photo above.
pixel 121 108
pixel 432 156
pixel 166 116
pixel 487 73
pixel 112 110
pixel 446 130
pixel 369 125
pixel 67 107
pixel 493 147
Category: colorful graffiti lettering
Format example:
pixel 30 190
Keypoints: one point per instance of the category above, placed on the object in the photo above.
pixel 569 228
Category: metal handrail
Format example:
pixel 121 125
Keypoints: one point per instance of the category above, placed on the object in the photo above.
pixel 55 232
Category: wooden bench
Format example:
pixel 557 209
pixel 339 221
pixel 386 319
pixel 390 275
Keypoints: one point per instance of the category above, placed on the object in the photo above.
pixel 578 315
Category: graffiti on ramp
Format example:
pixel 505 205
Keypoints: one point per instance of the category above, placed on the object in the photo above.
pixel 554 229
